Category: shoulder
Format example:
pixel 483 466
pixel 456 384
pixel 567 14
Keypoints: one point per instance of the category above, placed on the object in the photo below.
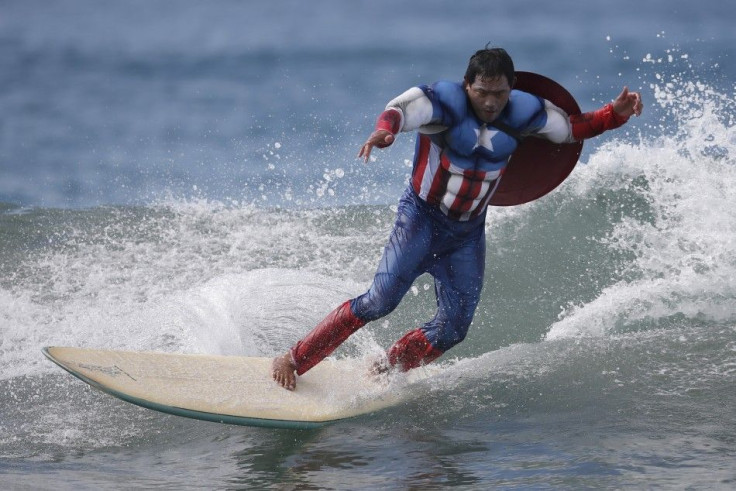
pixel 523 107
pixel 449 98
pixel 448 88
pixel 449 93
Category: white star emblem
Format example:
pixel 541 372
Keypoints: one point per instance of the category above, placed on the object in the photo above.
pixel 484 137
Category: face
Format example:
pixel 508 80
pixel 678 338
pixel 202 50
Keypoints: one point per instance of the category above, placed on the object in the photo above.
pixel 488 96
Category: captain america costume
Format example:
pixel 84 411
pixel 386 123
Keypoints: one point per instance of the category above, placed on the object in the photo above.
pixel 440 224
pixel 458 169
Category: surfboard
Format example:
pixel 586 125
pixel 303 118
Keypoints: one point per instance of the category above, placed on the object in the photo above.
pixel 228 389
pixel 538 166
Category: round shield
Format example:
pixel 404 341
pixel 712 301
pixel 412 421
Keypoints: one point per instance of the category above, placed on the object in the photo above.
pixel 538 166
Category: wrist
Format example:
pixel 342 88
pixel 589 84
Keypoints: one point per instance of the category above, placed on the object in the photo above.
pixel 618 119
pixel 594 123
pixel 389 120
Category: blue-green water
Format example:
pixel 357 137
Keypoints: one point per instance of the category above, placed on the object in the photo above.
pixel 181 176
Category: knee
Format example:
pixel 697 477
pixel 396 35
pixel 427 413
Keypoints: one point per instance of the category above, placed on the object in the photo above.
pixel 452 336
pixel 461 315
pixel 446 331
pixel 380 300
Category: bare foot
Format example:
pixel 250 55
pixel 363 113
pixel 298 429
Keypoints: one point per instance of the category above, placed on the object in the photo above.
pixel 282 370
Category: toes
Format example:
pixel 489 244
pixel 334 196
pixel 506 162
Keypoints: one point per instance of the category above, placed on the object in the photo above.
pixel 283 374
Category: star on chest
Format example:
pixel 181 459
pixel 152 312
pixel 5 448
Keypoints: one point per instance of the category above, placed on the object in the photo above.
pixel 485 137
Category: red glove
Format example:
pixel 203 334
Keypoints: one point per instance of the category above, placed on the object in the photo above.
pixel 389 120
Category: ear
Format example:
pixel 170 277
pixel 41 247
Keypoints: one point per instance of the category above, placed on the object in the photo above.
pixel 513 82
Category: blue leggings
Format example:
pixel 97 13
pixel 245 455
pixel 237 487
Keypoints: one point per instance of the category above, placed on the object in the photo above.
pixel 426 241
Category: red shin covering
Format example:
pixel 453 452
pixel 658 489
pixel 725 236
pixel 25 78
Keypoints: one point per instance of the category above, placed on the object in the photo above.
pixel 323 339
pixel 412 351
pixel 594 123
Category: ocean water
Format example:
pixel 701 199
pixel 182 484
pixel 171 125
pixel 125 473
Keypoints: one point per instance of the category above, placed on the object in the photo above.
pixel 180 176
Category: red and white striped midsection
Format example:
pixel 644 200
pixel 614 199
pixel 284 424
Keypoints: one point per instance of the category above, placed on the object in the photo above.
pixel 460 193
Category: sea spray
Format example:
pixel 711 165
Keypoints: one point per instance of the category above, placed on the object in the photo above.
pixel 196 276
pixel 682 250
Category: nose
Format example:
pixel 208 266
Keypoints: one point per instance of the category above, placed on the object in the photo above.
pixel 490 102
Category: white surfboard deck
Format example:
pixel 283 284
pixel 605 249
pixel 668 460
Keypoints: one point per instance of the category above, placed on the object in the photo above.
pixel 228 389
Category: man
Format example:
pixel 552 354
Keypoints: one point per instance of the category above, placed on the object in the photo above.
pixel 466 134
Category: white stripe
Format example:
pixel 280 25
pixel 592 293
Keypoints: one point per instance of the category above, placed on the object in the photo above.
pixel 490 195
pixel 433 164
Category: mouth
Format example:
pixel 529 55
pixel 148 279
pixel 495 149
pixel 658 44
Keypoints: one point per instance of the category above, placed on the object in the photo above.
pixel 489 115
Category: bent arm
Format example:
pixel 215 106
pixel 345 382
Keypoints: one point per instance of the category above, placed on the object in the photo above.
pixel 408 112
pixel 561 128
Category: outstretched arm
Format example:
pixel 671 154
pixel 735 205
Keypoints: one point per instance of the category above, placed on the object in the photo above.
pixel 409 111
pixel 388 124
pixel 609 117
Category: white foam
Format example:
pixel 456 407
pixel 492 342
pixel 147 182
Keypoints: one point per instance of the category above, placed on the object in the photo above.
pixel 684 255
pixel 183 276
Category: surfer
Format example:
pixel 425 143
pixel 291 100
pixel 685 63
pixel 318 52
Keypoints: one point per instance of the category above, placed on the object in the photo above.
pixel 466 133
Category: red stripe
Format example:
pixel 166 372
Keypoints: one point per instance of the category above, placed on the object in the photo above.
pixel 439 183
pixel 469 190
pixel 421 162
pixel 484 202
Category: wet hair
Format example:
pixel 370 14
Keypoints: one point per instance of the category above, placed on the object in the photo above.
pixel 490 63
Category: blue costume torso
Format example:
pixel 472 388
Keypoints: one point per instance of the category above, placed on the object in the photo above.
pixel 470 143
pixel 459 159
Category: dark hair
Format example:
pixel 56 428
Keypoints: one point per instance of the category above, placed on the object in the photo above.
pixel 490 63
